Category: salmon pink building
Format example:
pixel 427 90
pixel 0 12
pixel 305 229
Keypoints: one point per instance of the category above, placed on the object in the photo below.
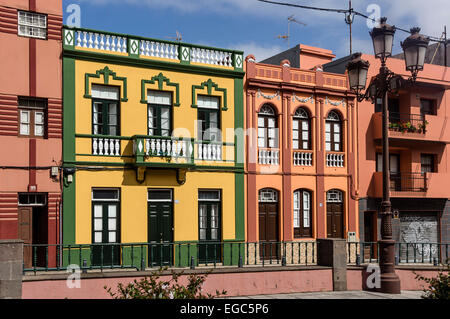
pixel 419 137
pixel 30 123
pixel 301 151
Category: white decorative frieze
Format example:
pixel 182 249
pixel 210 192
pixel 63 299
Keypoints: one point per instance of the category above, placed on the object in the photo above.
pixel 269 97
pixel 306 100
pixel 328 101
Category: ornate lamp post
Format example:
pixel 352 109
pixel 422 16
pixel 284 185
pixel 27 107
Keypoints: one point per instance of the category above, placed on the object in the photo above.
pixel 386 82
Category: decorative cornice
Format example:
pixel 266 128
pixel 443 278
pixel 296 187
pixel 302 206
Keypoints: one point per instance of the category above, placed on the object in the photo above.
pixel 150 64
pixel 209 85
pixel 161 79
pixel 106 72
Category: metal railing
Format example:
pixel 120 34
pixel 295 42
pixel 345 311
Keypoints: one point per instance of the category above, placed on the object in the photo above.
pixel 408 182
pixel 140 256
pixel 404 122
pixel 405 253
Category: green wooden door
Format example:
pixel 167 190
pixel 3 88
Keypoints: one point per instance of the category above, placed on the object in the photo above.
pixel 160 233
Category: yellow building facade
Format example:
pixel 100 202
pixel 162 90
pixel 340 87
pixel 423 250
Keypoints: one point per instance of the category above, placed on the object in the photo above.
pixel 153 167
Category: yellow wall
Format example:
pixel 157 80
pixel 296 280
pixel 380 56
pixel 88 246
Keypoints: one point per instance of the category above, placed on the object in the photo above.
pixel 134 114
pixel 133 121
pixel 133 203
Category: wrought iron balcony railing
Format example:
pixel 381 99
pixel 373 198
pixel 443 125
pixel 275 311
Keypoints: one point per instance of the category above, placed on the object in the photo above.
pixel 404 122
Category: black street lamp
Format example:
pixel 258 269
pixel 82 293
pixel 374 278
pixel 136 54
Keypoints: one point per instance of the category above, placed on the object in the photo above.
pixel 386 82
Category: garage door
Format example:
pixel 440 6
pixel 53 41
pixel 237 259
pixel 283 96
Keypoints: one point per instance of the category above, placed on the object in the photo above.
pixel 418 237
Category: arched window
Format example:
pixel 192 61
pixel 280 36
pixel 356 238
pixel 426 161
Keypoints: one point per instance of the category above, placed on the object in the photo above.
pixel 301 130
pixel 302 213
pixel 333 132
pixel 267 127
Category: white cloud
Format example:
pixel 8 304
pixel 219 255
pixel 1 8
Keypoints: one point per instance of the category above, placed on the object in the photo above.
pixel 260 52
pixel 234 7
pixel 363 45
pixel 329 28
pixel 431 16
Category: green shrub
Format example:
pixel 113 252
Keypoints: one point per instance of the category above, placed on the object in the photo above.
pixel 152 288
pixel 438 287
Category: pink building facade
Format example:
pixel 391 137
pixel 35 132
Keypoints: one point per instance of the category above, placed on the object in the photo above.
pixel 30 122
pixel 419 137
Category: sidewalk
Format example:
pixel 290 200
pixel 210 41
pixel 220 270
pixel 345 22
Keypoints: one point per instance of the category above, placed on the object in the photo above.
pixel 338 295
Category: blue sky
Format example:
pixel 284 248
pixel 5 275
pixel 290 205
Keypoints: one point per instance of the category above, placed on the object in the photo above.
pixel 253 26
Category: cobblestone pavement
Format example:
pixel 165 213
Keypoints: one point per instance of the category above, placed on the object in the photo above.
pixel 339 295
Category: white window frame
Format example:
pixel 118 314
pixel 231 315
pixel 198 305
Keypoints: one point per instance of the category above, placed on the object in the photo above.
pixel 208 102
pixel 26 123
pixel 334 196
pixel 34 204
pixel 36 125
pixel 272 198
pixel 105 92
pixel 159 200
pixel 300 214
pixel 218 199
pixel 159 97
pixel 28 29
pixel 106 200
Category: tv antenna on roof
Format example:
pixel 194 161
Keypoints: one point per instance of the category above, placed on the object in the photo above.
pixel 178 38
pixel 287 36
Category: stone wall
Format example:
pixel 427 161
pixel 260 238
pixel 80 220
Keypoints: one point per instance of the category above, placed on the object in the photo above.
pixel 11 267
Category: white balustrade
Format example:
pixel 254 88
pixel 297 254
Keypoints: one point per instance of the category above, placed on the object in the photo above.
pixel 209 152
pixel 116 43
pixel 335 160
pixel 213 57
pixel 303 158
pixel 99 41
pixel 106 146
pixel 269 156
pixel 167 148
pixel 159 49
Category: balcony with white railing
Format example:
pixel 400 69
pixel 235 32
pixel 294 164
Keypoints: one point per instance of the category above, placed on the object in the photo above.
pixel 106 146
pixel 269 156
pixel 147 149
pixel 335 159
pixel 208 151
pixel 302 158
pixel 80 39
pixel 152 150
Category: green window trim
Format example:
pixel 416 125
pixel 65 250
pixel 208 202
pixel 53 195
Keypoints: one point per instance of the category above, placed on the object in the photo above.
pixel 106 72
pixel 210 85
pixel 161 80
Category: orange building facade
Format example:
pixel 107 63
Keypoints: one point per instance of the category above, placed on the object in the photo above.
pixel 419 137
pixel 30 121
pixel 300 152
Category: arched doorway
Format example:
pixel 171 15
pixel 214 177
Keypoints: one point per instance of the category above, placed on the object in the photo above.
pixel 335 214
pixel 268 223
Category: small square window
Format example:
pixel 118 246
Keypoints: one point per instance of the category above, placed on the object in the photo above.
pixel 32 116
pixel 33 25
pixel 427 106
